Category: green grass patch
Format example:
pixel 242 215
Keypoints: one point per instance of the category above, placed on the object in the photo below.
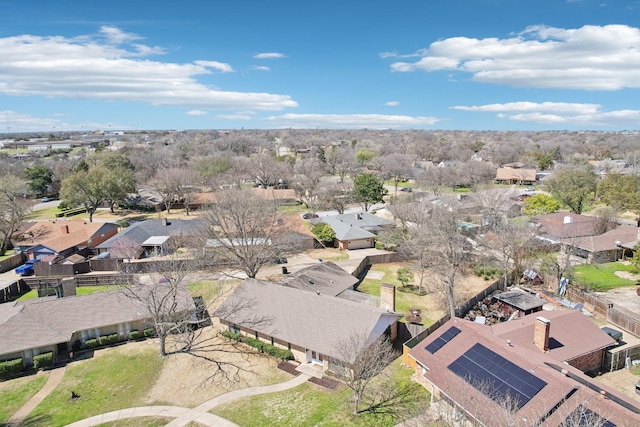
pixel 112 380
pixel 310 405
pixel 404 300
pixel 32 294
pixel 601 277
pixel 84 290
pixel 292 209
pixel 212 291
pixel 15 393
pixel 48 213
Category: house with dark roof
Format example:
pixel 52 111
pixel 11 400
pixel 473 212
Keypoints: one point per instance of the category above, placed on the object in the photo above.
pixel 32 327
pixel 312 314
pixel 356 230
pixel 521 373
pixel 151 237
pixel 62 237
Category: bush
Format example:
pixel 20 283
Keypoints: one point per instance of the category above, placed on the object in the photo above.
pixel 92 343
pixel 113 338
pixel 10 368
pixel 255 343
pixel 280 353
pixel 103 340
pixel 134 335
pixel 232 335
pixel 43 360
pixel 149 332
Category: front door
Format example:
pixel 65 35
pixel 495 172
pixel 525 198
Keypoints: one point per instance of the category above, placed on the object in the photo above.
pixel 316 358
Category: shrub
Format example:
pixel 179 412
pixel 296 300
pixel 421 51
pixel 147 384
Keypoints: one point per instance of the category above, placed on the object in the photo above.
pixel 113 338
pixel 232 335
pixel 134 335
pixel 149 332
pixel 103 340
pixel 92 343
pixel 10 368
pixel 280 353
pixel 43 360
pixel 255 343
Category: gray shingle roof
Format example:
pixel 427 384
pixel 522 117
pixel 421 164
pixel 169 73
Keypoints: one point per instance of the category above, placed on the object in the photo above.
pixel 141 231
pixel 319 322
pixel 38 323
pixel 327 277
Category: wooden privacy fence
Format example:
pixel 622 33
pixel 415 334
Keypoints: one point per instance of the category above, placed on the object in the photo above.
pixel 12 262
pixel 615 314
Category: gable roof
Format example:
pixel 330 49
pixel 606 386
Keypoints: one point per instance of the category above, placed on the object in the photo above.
pixel 142 231
pixel 520 174
pixel 623 234
pixel 564 390
pixel 562 225
pixel 326 277
pixel 39 323
pixel 306 319
pixel 62 234
pixel 346 231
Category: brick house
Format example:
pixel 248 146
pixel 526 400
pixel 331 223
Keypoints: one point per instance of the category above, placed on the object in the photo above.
pixel 524 372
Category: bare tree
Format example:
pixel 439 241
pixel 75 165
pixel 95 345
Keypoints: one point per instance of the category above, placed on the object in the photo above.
pixel 240 229
pixel 267 171
pixel 12 208
pixel 362 361
pixel 308 175
pixel 395 166
pixel 606 219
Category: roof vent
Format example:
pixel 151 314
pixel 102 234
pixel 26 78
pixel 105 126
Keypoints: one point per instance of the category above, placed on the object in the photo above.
pixel 311 282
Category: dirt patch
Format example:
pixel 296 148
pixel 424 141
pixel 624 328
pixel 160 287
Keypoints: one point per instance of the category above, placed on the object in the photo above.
pixel 188 380
pixel 623 381
pixel 627 275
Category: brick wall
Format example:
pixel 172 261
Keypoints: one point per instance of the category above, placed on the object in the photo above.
pixel 589 362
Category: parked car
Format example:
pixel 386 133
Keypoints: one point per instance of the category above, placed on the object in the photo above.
pixel 406 189
pixel 309 215
pixel 26 269
pixel 44 199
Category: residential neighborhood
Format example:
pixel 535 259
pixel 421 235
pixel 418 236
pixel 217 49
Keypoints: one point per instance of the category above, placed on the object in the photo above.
pixel 469 301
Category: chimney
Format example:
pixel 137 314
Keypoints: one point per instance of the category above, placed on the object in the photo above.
pixel 65 229
pixel 388 302
pixel 567 219
pixel 541 333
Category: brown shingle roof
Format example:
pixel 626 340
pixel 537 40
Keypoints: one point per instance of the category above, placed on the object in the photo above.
pixel 562 225
pixel 555 397
pixel 62 234
pixel 607 241
pixel 519 174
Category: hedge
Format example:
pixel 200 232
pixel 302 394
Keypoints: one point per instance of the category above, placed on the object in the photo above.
pixel 43 360
pixel 134 335
pixel 10 368
pixel 113 338
pixel 271 350
pixel 232 335
pixel 103 340
pixel 149 332
pixel 92 343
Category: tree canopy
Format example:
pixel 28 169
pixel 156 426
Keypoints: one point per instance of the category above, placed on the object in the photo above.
pixel 368 189
pixel 573 187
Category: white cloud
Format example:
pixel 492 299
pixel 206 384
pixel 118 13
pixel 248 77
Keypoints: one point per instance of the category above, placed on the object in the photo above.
pixel 237 116
pixel 260 68
pixel 89 68
pixel 559 113
pixel 350 121
pixel 588 58
pixel 220 66
pixel 20 122
pixel 197 113
pixel 392 103
pixel 269 55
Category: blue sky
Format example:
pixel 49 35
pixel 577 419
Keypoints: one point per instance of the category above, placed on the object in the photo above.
pixel 403 64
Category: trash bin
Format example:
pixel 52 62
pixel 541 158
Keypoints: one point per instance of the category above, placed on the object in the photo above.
pixel 284 270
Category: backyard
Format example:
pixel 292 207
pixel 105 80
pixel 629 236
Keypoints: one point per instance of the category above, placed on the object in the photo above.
pixel 605 277
pixel 431 304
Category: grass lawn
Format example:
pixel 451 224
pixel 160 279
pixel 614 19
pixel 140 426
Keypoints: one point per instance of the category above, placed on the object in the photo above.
pixel 404 300
pixel 601 277
pixel 49 213
pixel 112 379
pixel 311 405
pixel 15 393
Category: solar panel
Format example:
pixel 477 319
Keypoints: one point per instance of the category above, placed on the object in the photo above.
pixel 584 417
pixel 439 342
pixel 496 377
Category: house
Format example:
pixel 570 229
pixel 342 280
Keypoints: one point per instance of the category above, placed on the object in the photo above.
pixel 559 226
pixel 513 175
pixel 607 247
pixel 356 230
pixel 150 238
pixel 520 373
pixel 307 315
pixel 33 327
pixel 62 237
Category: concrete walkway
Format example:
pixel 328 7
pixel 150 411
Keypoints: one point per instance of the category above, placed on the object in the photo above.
pixel 183 416
pixel 55 376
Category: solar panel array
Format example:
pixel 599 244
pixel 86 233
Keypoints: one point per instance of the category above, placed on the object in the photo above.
pixel 584 417
pixel 496 377
pixel 439 342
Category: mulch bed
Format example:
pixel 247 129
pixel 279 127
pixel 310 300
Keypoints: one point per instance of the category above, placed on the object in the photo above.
pixel 326 382
pixel 289 367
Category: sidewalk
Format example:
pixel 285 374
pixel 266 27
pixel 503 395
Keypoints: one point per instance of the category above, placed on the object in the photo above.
pixel 54 379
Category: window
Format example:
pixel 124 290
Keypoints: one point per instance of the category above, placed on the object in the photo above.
pixel 234 328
